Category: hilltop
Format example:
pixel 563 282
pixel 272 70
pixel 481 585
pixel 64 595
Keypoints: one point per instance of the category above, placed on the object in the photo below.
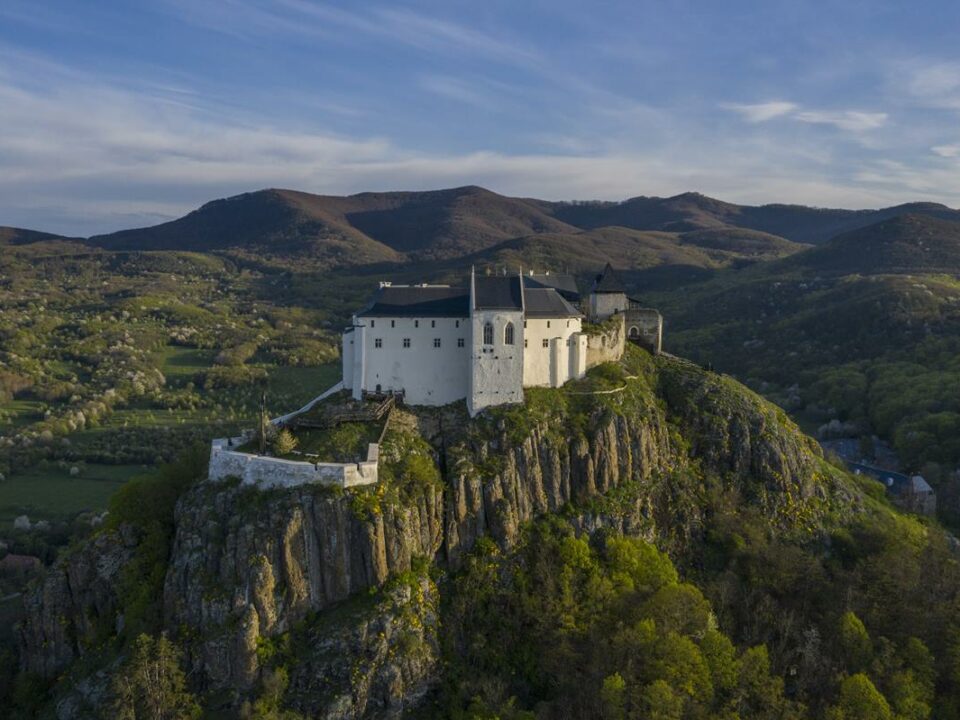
pixel 908 243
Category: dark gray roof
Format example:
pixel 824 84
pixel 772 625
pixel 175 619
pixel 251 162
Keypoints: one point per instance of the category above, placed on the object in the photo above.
pixel 498 293
pixel 418 301
pixel 608 282
pixel 547 302
pixel 564 284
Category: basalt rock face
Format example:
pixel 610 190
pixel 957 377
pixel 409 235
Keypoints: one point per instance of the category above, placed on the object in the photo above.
pixel 76 602
pixel 692 423
pixel 544 473
pixel 379 662
pixel 248 565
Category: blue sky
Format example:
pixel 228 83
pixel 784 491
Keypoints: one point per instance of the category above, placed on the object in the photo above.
pixel 117 114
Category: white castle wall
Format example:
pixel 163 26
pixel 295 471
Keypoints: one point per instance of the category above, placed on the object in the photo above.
pixel 269 472
pixel 551 366
pixel 496 372
pixel 427 374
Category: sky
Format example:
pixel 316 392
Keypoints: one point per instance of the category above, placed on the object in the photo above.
pixel 129 113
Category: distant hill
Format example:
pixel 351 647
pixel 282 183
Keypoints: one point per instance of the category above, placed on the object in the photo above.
pixel 287 228
pixel 693 211
pixel 902 244
pixel 20 236
pixel 369 227
pixel 268 221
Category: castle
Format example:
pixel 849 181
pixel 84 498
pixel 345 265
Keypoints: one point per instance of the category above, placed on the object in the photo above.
pixel 436 344
pixel 486 342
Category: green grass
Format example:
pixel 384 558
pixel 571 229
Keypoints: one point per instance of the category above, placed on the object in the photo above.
pixel 49 492
pixel 181 364
pixel 19 413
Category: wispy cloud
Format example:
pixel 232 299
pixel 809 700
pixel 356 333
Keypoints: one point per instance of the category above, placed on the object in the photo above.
pixel 947 151
pixel 761 112
pixel 401 26
pixel 852 120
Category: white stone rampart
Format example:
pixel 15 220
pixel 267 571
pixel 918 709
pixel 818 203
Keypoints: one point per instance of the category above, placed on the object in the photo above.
pixel 606 346
pixel 271 472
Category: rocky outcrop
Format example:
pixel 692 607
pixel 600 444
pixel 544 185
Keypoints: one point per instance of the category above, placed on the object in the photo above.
pixel 546 472
pixel 376 663
pixel 75 605
pixel 248 565
pixel 698 418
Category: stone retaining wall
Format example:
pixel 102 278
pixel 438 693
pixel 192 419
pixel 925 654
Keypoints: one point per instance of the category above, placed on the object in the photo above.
pixel 270 472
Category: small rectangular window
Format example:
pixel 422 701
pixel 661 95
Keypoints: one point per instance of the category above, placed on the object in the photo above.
pixel 458 323
pixel 524 324
pixel 416 323
pixel 433 323
pixel 548 323
pixel 436 342
pixel 525 342
pixel 546 343
pixel 460 342
pixel 406 342
pixel 373 323
pixel 378 342
pixel 393 323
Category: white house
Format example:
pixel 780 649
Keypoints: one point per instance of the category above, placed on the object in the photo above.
pixel 436 344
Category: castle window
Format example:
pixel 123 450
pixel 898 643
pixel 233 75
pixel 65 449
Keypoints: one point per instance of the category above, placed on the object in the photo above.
pixel 436 342
pixel 524 324
pixel 488 333
pixel 546 343
pixel 460 342
pixel 458 323
pixel 568 323
pixel 416 323
pixel 378 342
pixel 393 323
pixel 508 334
pixel 406 342
pixel 525 342
pixel 548 323
pixel 373 323
pixel 433 323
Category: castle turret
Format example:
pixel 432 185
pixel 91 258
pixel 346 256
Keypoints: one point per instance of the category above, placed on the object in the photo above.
pixel 608 296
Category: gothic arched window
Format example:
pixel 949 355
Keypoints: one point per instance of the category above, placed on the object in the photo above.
pixel 508 334
pixel 488 333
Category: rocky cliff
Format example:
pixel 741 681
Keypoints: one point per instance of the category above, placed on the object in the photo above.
pixel 633 447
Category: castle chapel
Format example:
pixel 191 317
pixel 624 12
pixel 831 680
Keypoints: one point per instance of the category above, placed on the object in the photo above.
pixel 485 342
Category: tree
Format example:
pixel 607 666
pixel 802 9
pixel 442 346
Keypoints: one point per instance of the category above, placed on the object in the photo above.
pixel 284 443
pixel 661 702
pixel 612 697
pixel 150 685
pixel 860 700
pixel 855 643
